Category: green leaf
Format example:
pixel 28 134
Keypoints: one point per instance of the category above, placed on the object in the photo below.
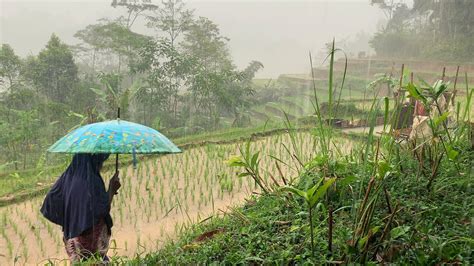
pixel 296 191
pixel 383 167
pixel 235 161
pixel 244 174
pixel 399 231
pixel 111 90
pixel 237 164
pixel 386 111
pixel 452 153
pixel 321 192
pixel 254 159
pixel 311 191
pixel 362 242
pixel 440 119
pixel 372 231
pixel 294 228
pixel 247 149
pixel 347 180
pixel 439 87
pixel 415 93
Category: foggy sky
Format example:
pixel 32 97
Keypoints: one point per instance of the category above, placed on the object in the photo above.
pixel 277 33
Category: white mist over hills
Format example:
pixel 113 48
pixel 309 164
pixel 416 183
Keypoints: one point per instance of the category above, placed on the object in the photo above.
pixel 278 33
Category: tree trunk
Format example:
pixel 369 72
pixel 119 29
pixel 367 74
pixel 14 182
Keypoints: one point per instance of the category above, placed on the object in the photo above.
pixel 93 61
pixel 25 152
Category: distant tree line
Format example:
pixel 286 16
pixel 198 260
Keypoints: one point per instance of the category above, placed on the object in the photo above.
pixel 178 79
pixel 438 29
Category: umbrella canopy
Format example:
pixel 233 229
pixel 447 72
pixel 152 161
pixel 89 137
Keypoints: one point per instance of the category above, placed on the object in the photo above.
pixel 115 136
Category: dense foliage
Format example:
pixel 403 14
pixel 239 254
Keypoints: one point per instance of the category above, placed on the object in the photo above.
pixel 428 229
pixel 427 29
pixel 178 79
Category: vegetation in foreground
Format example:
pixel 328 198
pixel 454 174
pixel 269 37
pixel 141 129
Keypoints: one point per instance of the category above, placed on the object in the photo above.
pixel 425 227
pixel 393 215
pixel 388 201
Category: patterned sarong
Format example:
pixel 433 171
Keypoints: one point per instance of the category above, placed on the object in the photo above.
pixel 93 242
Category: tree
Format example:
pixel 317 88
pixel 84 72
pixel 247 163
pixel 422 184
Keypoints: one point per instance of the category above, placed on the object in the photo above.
pixel 224 91
pixel 171 20
pixel 389 7
pixel 111 36
pixel 135 8
pixel 167 71
pixel 19 121
pixel 244 95
pixel 448 18
pixel 214 77
pixel 436 29
pixel 204 42
pixel 10 65
pixel 54 71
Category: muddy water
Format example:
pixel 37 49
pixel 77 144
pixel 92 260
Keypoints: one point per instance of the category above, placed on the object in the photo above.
pixel 157 200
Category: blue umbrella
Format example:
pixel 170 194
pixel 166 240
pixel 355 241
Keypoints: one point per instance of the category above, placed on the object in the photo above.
pixel 115 136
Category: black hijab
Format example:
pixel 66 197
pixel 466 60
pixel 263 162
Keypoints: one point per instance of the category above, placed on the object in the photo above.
pixel 78 199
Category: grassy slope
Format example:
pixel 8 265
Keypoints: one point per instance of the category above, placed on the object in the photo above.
pixel 430 228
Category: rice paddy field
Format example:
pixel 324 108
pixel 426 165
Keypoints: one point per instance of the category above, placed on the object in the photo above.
pixel 158 199
pixel 253 149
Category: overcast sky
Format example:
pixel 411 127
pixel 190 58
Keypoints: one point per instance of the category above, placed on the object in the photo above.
pixel 277 33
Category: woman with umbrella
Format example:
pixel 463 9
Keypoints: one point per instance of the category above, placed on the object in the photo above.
pixel 80 204
pixel 78 201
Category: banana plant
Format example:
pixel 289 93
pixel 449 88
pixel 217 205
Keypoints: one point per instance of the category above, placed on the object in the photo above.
pixel 312 196
pixel 113 96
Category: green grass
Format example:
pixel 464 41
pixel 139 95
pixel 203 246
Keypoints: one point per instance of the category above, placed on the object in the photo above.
pixel 430 227
pixel 227 134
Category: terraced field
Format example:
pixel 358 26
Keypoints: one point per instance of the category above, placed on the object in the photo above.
pixel 297 104
pixel 298 88
pixel 157 200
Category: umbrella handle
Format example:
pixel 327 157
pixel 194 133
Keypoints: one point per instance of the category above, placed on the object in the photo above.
pixel 116 162
pixel 116 155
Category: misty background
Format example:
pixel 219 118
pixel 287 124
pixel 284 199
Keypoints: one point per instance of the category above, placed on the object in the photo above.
pixel 277 33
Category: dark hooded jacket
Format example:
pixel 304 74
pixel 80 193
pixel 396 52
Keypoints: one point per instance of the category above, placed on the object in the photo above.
pixel 78 199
